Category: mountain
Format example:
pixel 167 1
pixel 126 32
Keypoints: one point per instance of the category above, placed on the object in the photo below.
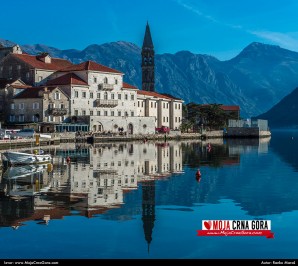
pixel 256 79
pixel 285 113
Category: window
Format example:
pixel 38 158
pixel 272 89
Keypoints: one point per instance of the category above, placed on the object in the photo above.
pixel 12 106
pixel 91 95
pixel 116 81
pixel 50 118
pixel 94 80
pixel 164 119
pixel 34 118
pixel 132 113
pixel 91 112
pixel 21 118
pixel 119 113
pixel 119 96
pixel 112 113
pixel 105 96
pixel 98 113
pixel 84 94
pixel 83 112
pixel 132 97
pixel 179 106
pixel 142 104
pixel 175 119
pixel 57 95
pixel 76 112
pixel 126 113
pixel 151 104
pixel 167 105
pixel 175 105
pixel 167 119
pixel 164 106
pixel 11 118
pixel 179 119
pixel 21 106
pixel 105 113
pixel 112 96
pixel 125 97
pixel 105 80
pixel 19 70
pixel 35 105
pixel 98 95
pixel 76 94
pixel 155 104
pixel 138 104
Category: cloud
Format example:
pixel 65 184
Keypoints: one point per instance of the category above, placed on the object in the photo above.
pixel 282 39
pixel 195 10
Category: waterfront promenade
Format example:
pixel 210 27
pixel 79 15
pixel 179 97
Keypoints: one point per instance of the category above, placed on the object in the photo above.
pixel 73 137
pixel 57 138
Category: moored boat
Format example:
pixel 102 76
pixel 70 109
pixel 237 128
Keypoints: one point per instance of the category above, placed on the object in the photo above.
pixel 21 158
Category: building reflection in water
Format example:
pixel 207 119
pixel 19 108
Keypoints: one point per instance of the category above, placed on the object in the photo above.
pixel 94 182
pixel 98 177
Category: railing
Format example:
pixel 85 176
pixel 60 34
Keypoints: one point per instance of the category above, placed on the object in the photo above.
pixel 105 87
pixel 105 103
pixel 57 111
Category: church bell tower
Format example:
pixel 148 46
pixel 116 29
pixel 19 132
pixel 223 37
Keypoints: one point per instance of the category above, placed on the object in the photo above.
pixel 148 78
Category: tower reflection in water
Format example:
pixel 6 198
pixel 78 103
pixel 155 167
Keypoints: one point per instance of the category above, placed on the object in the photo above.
pixel 99 178
pixel 93 182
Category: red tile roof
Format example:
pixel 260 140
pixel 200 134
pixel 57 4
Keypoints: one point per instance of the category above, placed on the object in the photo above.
pixel 33 61
pixel 90 65
pixel 33 92
pixel 128 86
pixel 68 79
pixel 153 94
pixel 230 107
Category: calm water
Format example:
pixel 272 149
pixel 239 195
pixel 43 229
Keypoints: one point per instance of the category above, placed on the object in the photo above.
pixel 142 200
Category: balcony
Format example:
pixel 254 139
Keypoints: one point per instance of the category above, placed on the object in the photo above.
pixel 105 87
pixel 105 173
pixel 105 103
pixel 57 111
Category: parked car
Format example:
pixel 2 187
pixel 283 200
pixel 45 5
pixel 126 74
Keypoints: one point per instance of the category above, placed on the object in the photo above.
pixel 26 133
pixel 162 129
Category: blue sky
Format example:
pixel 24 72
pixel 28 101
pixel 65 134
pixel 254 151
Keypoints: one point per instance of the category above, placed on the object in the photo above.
pixel 221 28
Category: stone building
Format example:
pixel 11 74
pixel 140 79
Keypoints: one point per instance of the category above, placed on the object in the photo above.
pixel 32 69
pixel 8 89
pixel 4 51
pixel 97 95
pixel 43 105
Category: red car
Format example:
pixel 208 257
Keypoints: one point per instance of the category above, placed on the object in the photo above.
pixel 162 129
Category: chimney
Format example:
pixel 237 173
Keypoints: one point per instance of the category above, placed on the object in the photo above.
pixel 44 57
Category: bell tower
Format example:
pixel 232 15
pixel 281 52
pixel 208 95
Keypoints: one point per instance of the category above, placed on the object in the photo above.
pixel 148 65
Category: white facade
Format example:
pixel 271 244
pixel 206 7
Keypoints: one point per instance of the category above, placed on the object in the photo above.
pixel 112 104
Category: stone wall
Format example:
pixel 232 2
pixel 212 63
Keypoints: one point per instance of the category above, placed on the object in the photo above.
pixel 242 132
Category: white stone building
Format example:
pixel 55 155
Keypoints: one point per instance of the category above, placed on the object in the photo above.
pixel 99 93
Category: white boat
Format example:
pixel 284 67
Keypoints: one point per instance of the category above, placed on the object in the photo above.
pixel 19 158
pixel 23 171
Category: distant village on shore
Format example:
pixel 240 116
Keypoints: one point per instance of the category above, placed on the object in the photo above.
pixel 54 95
